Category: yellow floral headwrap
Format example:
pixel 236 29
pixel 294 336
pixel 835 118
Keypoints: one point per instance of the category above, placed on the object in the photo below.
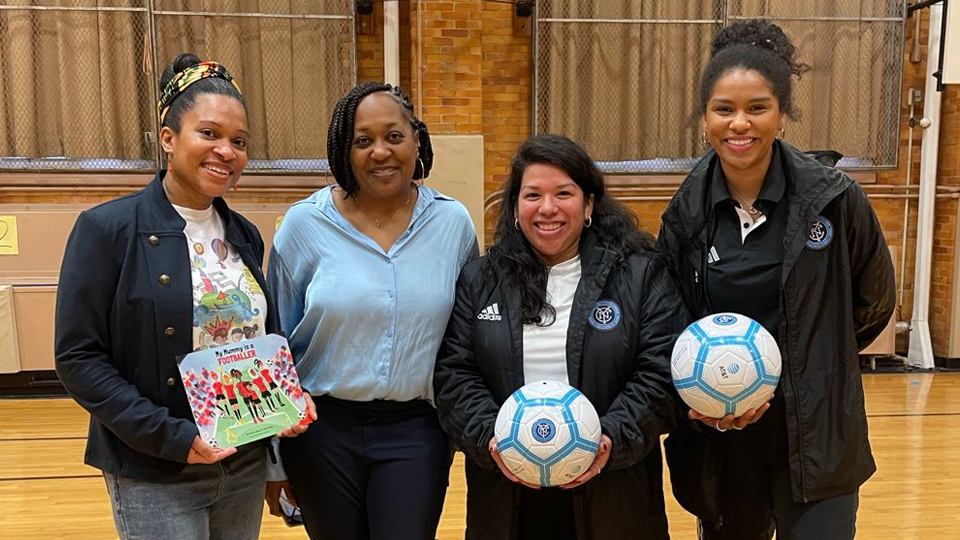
pixel 181 81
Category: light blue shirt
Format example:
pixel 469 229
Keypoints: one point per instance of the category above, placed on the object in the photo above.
pixel 364 324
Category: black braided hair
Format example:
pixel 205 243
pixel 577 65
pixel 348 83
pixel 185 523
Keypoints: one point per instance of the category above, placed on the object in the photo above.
pixel 755 45
pixel 186 100
pixel 340 134
pixel 512 259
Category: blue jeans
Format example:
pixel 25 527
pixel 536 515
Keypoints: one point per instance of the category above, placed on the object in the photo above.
pixel 204 502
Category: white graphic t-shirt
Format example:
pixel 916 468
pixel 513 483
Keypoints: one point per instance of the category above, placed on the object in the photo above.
pixel 228 303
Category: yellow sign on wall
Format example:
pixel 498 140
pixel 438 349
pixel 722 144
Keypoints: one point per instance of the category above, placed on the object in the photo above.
pixel 9 244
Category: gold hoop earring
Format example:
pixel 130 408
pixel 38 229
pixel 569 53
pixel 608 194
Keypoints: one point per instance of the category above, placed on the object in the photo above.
pixel 781 134
pixel 703 139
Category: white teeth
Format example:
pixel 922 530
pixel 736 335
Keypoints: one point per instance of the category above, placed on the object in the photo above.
pixel 217 170
pixel 549 226
pixel 740 142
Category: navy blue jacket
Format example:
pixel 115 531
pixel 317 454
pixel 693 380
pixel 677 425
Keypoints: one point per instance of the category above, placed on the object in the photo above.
pixel 124 313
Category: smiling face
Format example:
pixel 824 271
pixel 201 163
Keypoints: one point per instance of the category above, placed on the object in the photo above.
pixel 741 122
pixel 208 155
pixel 551 210
pixel 384 150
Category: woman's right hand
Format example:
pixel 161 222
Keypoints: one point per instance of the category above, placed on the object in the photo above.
pixel 495 454
pixel 729 421
pixel 204 454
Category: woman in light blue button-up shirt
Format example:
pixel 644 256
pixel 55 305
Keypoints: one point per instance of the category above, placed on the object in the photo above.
pixel 364 273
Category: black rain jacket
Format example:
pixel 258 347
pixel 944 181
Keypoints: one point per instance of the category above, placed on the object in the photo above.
pixel 623 371
pixel 837 294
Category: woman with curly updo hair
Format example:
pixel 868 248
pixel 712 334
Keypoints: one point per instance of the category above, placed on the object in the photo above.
pixel 762 229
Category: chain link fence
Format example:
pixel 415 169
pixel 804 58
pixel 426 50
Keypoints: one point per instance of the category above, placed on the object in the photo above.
pixel 78 78
pixel 622 77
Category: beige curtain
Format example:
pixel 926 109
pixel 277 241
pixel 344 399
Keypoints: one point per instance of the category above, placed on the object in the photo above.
pixel 626 91
pixel 292 71
pixel 69 83
pixel 80 84
pixel 844 100
pixel 629 91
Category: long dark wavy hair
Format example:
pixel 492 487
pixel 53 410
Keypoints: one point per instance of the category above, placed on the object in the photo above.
pixel 513 261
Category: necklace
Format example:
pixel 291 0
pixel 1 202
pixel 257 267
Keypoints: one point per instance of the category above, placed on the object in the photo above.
pixel 740 198
pixel 380 222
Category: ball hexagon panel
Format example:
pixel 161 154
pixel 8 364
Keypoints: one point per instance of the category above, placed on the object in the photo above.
pixel 725 363
pixel 546 431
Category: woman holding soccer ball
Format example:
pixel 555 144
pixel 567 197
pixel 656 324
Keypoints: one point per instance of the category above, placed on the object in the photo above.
pixel 760 228
pixel 572 292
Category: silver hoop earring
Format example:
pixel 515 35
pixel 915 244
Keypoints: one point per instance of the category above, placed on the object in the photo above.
pixel 423 171
pixel 703 139
pixel 588 222
pixel 516 223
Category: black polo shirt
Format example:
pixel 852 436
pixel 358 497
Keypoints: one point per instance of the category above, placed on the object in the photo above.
pixel 746 258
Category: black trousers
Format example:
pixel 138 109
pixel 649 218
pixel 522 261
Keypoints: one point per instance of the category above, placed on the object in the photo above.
pixel 546 514
pixel 757 497
pixel 370 470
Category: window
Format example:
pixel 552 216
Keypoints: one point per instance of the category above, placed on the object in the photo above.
pixel 622 77
pixel 78 78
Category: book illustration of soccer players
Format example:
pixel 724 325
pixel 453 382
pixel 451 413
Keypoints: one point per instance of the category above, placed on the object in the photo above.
pixel 265 374
pixel 227 386
pixel 250 397
pixel 261 385
pixel 218 392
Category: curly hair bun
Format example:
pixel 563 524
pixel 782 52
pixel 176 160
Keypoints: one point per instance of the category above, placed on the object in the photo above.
pixel 759 33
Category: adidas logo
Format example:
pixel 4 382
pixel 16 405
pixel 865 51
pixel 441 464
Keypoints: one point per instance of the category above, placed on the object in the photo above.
pixel 490 313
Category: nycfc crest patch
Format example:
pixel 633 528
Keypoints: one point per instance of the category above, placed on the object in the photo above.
pixel 605 316
pixel 725 319
pixel 820 234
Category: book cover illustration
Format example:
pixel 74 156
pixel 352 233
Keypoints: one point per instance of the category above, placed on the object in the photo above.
pixel 244 391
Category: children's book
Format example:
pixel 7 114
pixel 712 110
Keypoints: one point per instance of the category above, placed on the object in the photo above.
pixel 244 391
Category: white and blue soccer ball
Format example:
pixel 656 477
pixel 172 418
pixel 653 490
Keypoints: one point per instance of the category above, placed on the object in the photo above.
pixel 725 363
pixel 547 433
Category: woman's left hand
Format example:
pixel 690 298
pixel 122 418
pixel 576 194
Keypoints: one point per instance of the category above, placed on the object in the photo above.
pixel 599 462
pixel 297 429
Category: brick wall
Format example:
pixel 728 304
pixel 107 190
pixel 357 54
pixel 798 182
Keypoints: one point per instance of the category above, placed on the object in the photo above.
pixel 507 80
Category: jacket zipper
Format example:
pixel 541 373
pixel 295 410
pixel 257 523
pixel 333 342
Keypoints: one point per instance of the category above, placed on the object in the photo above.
pixel 796 400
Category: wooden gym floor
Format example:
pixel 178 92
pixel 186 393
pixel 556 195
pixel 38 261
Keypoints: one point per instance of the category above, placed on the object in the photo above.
pixel 47 492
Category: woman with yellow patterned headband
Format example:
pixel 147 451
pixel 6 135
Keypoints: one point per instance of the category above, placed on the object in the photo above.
pixel 152 276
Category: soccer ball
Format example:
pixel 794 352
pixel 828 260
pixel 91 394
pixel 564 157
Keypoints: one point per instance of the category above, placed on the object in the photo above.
pixel 725 363
pixel 547 433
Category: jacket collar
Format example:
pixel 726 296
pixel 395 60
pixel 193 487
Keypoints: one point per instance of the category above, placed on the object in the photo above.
pixel 810 185
pixel 162 210
pixel 772 190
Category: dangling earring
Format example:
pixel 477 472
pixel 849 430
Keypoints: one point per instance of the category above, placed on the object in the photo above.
pixel 703 139
pixel 588 222
pixel 781 134
pixel 516 223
